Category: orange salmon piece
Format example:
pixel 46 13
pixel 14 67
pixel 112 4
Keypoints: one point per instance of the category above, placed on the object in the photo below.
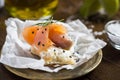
pixel 29 33
pixel 41 40
pixel 56 28
pixel 57 35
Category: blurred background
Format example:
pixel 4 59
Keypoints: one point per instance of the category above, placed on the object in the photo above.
pixel 82 9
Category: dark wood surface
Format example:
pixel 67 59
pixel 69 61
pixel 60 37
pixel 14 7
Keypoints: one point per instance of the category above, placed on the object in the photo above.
pixel 108 69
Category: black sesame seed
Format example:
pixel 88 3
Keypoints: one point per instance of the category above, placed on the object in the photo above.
pixel 63 37
pixel 63 51
pixel 45 29
pixel 39 43
pixel 77 60
pixel 54 50
pixel 77 52
pixel 42 32
pixel 32 32
pixel 43 44
pixel 70 56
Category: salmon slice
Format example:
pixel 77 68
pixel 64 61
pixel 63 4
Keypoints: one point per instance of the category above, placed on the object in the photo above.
pixel 42 37
pixel 41 40
pixel 29 33
pixel 57 28
pixel 61 41
pixel 57 35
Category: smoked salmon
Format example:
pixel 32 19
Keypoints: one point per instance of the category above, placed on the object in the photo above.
pixel 29 33
pixel 42 37
pixel 57 34
pixel 41 40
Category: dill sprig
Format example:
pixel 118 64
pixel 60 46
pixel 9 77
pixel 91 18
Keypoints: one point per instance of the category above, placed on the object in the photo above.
pixel 48 21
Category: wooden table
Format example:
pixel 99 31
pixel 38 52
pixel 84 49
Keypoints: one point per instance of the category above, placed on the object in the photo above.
pixel 109 68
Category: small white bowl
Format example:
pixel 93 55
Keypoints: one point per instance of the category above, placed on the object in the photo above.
pixel 112 29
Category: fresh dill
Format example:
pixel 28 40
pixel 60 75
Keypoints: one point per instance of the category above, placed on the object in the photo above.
pixel 48 21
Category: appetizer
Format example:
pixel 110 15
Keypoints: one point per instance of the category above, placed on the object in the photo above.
pixel 50 42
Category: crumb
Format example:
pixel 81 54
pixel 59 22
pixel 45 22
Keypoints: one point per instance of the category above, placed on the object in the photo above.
pixel 92 26
pixel 96 33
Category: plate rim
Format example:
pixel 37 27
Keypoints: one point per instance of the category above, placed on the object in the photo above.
pixel 97 62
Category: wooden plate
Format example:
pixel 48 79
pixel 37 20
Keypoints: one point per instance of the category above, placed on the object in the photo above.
pixel 63 74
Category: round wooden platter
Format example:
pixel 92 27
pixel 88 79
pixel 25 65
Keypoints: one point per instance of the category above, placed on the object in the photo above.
pixel 62 74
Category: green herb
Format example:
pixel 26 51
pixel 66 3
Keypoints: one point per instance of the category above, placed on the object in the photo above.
pixel 89 7
pixel 48 21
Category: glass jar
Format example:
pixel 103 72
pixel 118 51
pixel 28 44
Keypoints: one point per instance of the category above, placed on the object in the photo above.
pixel 31 9
pixel 112 29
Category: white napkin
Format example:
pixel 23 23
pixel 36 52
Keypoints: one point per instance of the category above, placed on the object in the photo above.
pixel 15 51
